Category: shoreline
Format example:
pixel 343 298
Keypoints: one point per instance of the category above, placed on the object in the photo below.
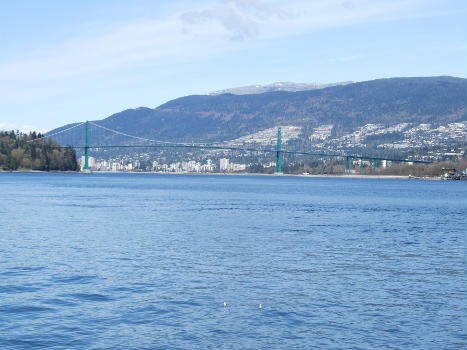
pixel 342 176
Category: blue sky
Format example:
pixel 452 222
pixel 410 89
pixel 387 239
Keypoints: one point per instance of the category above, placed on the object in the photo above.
pixel 67 61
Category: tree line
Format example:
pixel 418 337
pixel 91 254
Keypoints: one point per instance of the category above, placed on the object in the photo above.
pixel 20 151
pixel 338 167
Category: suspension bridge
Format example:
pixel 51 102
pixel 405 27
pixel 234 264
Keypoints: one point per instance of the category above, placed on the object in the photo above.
pixel 89 135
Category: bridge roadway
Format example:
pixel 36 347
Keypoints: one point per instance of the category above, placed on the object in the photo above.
pixel 161 144
pixel 265 150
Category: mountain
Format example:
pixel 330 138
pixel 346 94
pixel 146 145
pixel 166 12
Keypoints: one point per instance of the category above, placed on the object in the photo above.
pixel 281 86
pixel 396 105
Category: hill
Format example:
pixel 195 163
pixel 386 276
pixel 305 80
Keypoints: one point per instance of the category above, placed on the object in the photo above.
pixel 396 105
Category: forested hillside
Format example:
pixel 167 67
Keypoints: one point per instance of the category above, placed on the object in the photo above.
pixel 433 100
pixel 18 151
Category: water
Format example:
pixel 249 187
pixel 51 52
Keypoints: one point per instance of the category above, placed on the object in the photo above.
pixel 146 262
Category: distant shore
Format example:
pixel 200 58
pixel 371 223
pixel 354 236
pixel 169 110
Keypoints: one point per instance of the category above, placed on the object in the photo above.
pixel 361 176
pixel 345 176
pixel 342 176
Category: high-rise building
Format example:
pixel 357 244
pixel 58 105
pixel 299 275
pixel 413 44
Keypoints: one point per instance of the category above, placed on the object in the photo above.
pixel 91 162
pixel 224 164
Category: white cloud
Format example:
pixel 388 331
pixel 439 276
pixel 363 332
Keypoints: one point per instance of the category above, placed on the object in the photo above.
pixel 241 18
pixel 216 28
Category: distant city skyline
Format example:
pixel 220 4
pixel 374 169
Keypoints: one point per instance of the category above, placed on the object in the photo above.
pixel 63 62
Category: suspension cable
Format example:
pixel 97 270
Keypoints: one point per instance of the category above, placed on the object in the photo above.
pixel 143 138
pixel 56 133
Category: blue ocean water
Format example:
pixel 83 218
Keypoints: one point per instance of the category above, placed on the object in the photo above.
pixel 146 261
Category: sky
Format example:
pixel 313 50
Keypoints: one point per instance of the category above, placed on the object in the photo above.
pixel 70 61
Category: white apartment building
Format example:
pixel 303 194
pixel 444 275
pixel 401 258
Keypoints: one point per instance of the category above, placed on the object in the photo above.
pixel 224 164
pixel 91 162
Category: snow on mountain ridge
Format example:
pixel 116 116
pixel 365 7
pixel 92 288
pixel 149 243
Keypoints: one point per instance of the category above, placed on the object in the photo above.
pixel 278 86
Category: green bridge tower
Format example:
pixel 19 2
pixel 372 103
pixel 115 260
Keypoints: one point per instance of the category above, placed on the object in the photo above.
pixel 86 149
pixel 279 152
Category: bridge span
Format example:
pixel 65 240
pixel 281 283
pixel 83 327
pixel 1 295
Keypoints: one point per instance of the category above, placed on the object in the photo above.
pixel 278 150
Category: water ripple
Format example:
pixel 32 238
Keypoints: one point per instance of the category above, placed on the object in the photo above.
pixel 121 261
